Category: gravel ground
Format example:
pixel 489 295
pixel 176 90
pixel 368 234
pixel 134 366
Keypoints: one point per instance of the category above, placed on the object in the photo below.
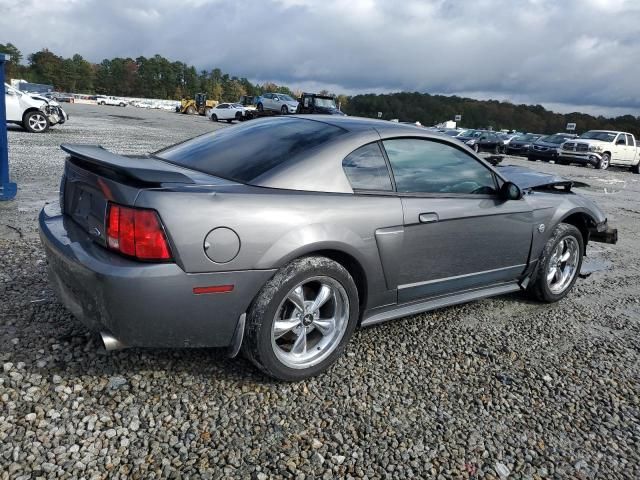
pixel 493 389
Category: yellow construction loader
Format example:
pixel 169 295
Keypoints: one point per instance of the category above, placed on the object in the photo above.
pixel 199 105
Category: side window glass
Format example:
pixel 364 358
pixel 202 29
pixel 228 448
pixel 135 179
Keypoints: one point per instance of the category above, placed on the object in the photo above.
pixel 425 166
pixel 630 140
pixel 366 169
pixel 621 140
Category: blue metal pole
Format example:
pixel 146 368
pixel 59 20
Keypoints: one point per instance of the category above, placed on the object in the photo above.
pixel 7 189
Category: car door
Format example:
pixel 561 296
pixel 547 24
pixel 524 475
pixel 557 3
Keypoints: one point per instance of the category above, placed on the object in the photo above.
pixel 619 151
pixel 13 108
pixel 458 233
pixel 222 111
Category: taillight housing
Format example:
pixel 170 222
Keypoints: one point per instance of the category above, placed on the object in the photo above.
pixel 137 232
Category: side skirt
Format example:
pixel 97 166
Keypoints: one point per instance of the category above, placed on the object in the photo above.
pixel 398 311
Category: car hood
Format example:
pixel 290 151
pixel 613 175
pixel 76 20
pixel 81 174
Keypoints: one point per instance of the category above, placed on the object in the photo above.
pixel 590 141
pixel 527 179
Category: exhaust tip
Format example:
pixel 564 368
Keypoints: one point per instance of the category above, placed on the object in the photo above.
pixel 110 342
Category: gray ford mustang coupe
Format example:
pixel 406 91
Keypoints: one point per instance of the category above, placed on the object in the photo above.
pixel 278 237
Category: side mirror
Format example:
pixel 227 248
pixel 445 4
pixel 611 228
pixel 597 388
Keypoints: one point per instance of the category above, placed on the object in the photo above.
pixel 276 99
pixel 510 191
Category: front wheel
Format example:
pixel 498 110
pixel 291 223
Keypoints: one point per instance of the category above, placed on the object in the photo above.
pixel 301 320
pixel 604 161
pixel 558 264
pixel 636 168
pixel 260 107
pixel 214 117
pixel 284 110
pixel 35 122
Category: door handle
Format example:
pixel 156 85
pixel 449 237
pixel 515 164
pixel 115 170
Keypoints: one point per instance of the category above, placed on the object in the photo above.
pixel 428 217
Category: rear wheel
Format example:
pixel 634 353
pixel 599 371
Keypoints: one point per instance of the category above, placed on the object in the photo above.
pixel 558 265
pixel 239 116
pixel 301 320
pixel 636 168
pixel 35 122
pixel 604 161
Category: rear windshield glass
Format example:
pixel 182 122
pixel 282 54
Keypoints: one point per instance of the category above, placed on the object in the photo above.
pixel 245 152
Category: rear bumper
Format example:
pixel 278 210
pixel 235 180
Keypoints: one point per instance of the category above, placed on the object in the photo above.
pixel 141 304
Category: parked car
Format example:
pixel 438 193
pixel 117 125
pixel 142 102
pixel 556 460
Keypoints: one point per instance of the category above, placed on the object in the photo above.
pixel 282 235
pixel 34 114
pixel 481 141
pixel 506 139
pixel 602 148
pixel 276 102
pixel 314 103
pixel 520 144
pixel 106 100
pixel 547 148
pixel 228 112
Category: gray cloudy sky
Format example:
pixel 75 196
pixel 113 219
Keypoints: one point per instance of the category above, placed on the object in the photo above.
pixel 565 54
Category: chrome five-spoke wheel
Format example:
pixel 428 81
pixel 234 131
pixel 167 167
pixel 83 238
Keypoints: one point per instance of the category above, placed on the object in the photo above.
pixel 310 322
pixel 563 265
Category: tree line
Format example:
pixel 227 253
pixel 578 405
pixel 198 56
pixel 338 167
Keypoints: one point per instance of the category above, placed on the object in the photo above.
pixel 158 77
pixel 434 109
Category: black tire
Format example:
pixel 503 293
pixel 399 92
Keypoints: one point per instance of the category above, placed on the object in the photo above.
pixel 258 345
pixel 35 121
pixel 101 103
pixel 123 104
pixel 636 168
pixel 604 162
pixel 539 288
pixel 214 117
pixel 284 110
pixel 191 110
pixel 476 148
pixel 531 159
pixel 559 161
pixel 496 150
pixel 260 107
pixel 239 116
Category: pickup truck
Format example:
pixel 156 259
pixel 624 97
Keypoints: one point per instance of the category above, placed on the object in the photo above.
pixel 104 100
pixel 601 148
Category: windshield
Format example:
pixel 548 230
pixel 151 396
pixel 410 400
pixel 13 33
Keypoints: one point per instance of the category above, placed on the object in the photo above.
pixel 245 152
pixel 471 133
pixel 286 98
pixel 596 135
pixel 554 139
pixel 325 102
pixel 527 138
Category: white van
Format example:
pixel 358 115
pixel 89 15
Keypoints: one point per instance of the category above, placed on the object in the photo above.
pixel 35 115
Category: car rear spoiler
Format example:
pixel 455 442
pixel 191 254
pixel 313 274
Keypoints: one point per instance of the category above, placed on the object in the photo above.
pixel 140 169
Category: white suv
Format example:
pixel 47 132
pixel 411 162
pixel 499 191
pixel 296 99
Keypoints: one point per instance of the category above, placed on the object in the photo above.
pixel 35 115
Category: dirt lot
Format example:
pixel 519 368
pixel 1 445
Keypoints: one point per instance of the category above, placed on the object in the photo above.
pixel 497 388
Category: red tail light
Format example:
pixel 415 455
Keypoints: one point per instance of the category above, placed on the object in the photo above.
pixel 136 232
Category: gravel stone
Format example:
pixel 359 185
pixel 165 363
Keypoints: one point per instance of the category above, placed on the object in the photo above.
pixel 494 387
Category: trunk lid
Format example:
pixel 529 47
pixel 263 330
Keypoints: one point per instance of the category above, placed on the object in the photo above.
pixel 94 176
